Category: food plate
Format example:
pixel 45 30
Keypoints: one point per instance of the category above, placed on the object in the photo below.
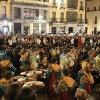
pixel 38 72
pixel 21 79
pixel 17 77
pixel 23 73
pixel 37 83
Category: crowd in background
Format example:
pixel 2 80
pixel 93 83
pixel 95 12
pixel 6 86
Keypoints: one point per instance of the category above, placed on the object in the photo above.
pixel 72 65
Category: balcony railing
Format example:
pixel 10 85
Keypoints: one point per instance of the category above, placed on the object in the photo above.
pixel 5 17
pixel 32 2
pixel 62 6
pixel 55 20
pixel 71 20
pixel 72 6
pixel 81 21
pixel 81 8
pixel 44 18
pixel 62 20
pixel 54 5
pixel 34 18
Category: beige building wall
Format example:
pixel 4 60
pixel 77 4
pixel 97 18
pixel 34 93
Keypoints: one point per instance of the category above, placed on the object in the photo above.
pixel 32 24
pixel 5 20
pixel 91 13
pixel 59 26
pixel 76 25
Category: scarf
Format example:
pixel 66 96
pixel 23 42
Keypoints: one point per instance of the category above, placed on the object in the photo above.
pixel 69 81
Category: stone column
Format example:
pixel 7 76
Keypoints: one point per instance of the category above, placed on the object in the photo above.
pixel 47 28
pixel 31 29
pixel 39 28
pixel 23 21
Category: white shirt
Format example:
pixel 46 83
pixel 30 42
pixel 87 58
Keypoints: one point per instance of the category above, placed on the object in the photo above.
pixel 72 41
pixel 10 42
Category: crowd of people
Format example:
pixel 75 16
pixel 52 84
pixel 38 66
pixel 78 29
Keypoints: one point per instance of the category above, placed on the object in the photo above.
pixel 72 65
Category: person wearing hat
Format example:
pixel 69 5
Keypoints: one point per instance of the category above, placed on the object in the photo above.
pixel 34 59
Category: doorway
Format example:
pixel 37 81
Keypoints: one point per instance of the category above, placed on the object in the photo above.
pixel 54 30
pixel 95 30
pixel 70 29
pixel 17 27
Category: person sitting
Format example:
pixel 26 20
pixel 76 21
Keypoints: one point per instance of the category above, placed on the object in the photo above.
pixel 33 58
pixel 5 80
pixel 24 61
pixel 12 90
pixel 26 93
pixel 6 65
pixel 44 63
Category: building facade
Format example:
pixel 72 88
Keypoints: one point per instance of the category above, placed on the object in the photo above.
pixel 92 16
pixel 5 16
pixel 30 16
pixel 67 16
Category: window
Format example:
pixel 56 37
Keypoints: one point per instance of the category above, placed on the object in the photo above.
pixel 81 5
pixel 54 4
pixel 99 7
pixel 53 14
pixel 54 19
pixel 80 18
pixel 17 12
pixel 72 4
pixel 44 13
pixel 3 11
pixel 72 16
pixel 54 1
pixel 31 13
pixel 88 9
pixel 86 29
pixel 62 1
pixel 96 20
pixel 61 15
pixel 95 30
pixel 94 8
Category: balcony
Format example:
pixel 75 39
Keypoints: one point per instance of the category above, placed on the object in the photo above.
pixel 81 8
pixel 54 5
pixel 81 21
pixel 62 6
pixel 71 20
pixel 72 6
pixel 35 18
pixel 33 2
pixel 5 17
pixel 62 20
pixel 44 18
pixel 55 20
